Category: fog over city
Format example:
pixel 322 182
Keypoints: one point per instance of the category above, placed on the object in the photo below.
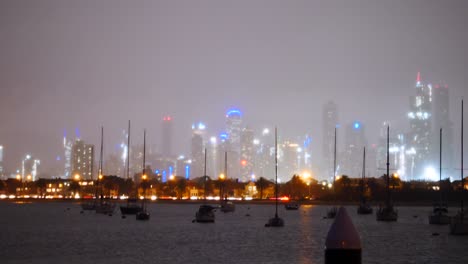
pixel 75 66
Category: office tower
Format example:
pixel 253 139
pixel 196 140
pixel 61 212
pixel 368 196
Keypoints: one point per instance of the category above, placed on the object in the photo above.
pixel 420 119
pixel 247 154
pixel 166 137
pixel 197 149
pixel 232 142
pixel 29 168
pixel 355 141
pixel 82 160
pixel 329 123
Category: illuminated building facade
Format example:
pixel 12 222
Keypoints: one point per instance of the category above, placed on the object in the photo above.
pixel 82 160
pixel 232 140
pixel 420 119
pixel 355 141
pixel 329 123
pixel 197 149
pixel 29 168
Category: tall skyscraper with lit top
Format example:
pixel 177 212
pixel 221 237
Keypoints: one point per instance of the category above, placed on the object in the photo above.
pixel 197 149
pixel 355 141
pixel 233 146
pixel 166 137
pixel 420 119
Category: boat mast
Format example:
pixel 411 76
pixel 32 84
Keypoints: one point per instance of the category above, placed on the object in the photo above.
pixel 440 166
pixel 100 159
pixel 461 172
pixel 128 151
pixel 363 173
pixel 334 163
pixel 144 169
pixel 225 174
pixel 388 165
pixel 276 172
pixel 204 179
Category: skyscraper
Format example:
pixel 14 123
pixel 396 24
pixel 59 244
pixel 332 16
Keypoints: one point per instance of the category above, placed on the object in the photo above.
pixel 247 153
pixel 420 119
pixel 233 131
pixel 330 122
pixel 197 149
pixel 441 113
pixel 355 141
pixel 166 137
pixel 82 159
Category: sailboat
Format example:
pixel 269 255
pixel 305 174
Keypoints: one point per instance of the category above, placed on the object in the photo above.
pixel 331 213
pixel 226 206
pixel 439 214
pixel 276 221
pixel 387 213
pixel 103 207
pixel 205 213
pixel 143 214
pixel 459 222
pixel 132 207
pixel 364 207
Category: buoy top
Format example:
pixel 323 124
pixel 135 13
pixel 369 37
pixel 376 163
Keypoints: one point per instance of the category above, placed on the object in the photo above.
pixel 342 233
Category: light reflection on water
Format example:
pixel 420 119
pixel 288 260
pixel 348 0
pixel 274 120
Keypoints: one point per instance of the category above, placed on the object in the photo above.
pixel 49 233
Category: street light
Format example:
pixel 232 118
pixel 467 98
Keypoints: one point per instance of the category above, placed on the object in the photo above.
pixel 77 177
pixel 221 176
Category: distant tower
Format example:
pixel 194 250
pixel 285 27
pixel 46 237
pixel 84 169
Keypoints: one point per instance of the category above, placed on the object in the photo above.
pixel 82 156
pixel 30 168
pixel 420 119
pixel 197 149
pixel 233 128
pixel 247 153
pixel 441 114
pixel 233 131
pixel 166 137
pixel 330 122
pixel 67 147
pixel 355 140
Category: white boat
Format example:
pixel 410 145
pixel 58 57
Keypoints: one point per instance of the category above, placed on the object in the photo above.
pixel 439 214
pixel 459 223
pixel 387 213
pixel 364 207
pixel 276 221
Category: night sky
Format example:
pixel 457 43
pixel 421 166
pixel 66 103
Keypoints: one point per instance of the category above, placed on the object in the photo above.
pixel 83 64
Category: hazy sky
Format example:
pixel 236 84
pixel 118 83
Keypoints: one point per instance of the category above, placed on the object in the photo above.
pixel 67 64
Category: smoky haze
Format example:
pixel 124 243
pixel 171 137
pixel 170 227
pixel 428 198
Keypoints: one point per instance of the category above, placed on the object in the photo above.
pixel 83 64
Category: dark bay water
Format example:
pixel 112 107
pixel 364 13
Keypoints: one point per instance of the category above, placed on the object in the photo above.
pixel 49 233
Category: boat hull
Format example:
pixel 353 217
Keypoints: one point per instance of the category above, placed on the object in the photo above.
pixel 130 210
pixel 332 213
pixel 105 208
pixel 143 216
pixel 275 222
pixel 205 214
pixel 459 225
pixel 439 219
pixel 227 207
pixel 364 210
pixel 291 206
pixel 387 214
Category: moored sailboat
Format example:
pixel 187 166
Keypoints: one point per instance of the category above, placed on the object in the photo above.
pixel 387 213
pixel 143 214
pixel 276 221
pixel 364 207
pixel 439 214
pixel 459 222
pixel 331 213
pixel 205 213
pixel 132 207
pixel 103 206
pixel 226 206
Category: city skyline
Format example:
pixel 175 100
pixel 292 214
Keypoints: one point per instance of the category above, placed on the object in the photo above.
pixel 59 73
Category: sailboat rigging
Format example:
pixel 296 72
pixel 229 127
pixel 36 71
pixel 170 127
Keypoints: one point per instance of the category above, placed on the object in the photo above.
pixel 205 213
pixel 364 207
pixel 276 221
pixel 143 214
